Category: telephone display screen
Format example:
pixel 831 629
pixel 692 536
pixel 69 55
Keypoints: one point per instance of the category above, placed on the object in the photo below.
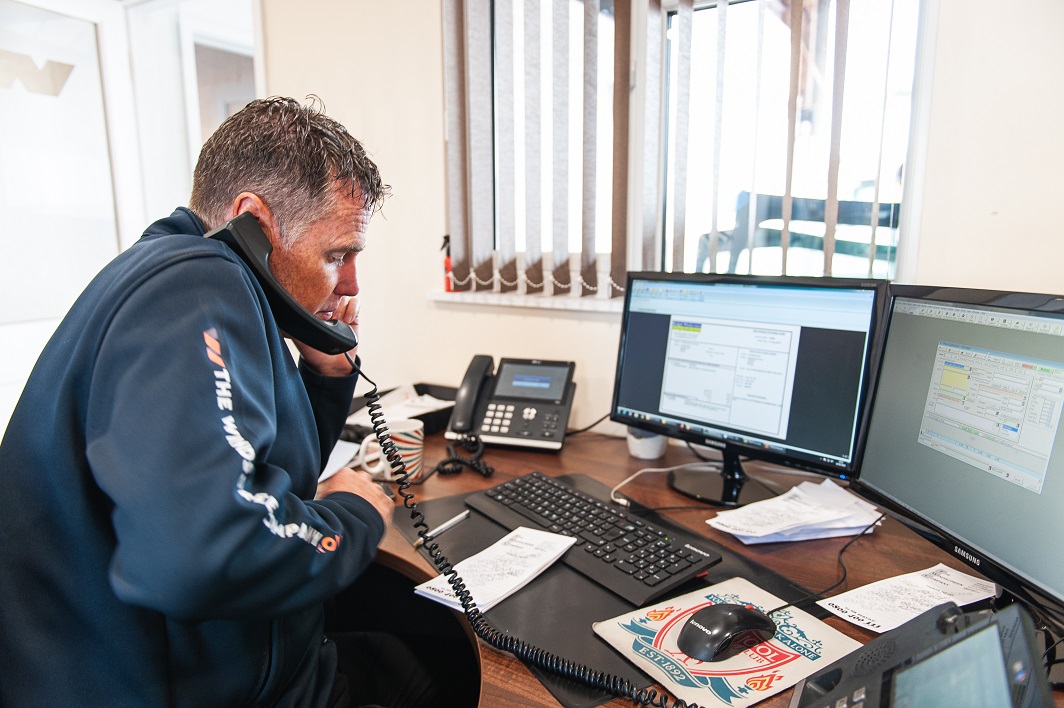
pixel 541 382
pixel 968 673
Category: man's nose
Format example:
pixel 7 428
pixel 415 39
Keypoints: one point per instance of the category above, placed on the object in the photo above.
pixel 348 281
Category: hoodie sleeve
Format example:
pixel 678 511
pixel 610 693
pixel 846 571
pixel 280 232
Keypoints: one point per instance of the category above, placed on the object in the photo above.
pixel 330 398
pixel 202 434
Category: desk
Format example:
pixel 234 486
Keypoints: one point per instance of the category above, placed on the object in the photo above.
pixel 506 682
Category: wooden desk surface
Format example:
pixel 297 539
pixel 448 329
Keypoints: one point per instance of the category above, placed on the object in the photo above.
pixel 891 550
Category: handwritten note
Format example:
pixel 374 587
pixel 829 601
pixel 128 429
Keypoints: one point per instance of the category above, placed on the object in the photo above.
pixel 500 569
pixel 890 603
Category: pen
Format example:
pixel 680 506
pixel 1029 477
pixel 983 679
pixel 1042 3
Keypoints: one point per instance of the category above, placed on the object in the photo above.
pixel 432 533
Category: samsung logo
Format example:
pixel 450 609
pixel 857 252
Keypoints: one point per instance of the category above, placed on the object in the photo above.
pixel 713 443
pixel 967 556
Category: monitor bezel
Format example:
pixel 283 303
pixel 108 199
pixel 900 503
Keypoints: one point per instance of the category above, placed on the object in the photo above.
pixel 731 447
pixel 1016 583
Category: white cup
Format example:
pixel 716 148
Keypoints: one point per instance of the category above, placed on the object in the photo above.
pixel 408 436
pixel 646 445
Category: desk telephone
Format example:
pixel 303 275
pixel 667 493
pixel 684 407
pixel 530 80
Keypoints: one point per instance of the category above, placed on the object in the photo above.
pixel 525 404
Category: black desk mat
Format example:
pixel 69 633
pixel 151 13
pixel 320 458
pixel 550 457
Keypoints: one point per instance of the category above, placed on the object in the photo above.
pixel 556 610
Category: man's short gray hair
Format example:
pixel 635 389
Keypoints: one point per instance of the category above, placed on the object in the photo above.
pixel 292 156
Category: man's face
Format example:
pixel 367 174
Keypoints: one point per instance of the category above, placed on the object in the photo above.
pixel 319 267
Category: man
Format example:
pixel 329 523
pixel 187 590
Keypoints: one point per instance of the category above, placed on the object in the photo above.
pixel 164 540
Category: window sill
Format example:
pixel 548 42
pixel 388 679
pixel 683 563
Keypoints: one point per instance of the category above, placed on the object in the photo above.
pixel 542 302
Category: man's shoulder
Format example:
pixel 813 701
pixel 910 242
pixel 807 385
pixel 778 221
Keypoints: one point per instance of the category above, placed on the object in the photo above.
pixel 172 240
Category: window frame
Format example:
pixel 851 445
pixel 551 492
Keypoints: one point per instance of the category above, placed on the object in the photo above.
pixel 644 175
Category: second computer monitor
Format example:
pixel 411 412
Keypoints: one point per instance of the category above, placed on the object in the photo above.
pixel 965 439
pixel 774 368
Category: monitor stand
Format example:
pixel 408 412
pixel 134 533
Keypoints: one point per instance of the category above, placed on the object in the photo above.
pixel 729 487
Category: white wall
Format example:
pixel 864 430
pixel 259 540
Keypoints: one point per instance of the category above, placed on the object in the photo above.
pixel 995 148
pixel 377 67
pixel 992 171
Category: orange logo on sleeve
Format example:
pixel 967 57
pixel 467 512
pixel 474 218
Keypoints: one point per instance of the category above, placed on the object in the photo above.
pixel 214 347
pixel 328 544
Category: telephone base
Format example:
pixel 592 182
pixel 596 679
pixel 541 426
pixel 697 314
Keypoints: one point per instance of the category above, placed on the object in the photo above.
pixel 507 441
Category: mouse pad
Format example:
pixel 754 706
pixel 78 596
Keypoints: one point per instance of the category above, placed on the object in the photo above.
pixel 556 610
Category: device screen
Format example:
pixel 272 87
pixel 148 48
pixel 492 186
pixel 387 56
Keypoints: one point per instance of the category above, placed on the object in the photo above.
pixel 774 365
pixel 540 382
pixel 966 429
pixel 969 673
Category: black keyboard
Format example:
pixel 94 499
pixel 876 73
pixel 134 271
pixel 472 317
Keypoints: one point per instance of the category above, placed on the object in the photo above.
pixel 638 560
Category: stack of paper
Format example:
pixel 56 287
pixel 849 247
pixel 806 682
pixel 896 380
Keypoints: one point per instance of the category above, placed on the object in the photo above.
pixel 403 402
pixel 500 569
pixel 803 512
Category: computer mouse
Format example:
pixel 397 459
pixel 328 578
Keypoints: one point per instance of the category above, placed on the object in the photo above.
pixel 719 632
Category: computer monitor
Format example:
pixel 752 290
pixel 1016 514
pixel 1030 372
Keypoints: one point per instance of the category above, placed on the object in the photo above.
pixel 965 441
pixel 773 368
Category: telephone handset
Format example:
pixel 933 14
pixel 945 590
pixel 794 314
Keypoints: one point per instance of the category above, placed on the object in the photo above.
pixel 526 403
pixel 479 371
pixel 245 236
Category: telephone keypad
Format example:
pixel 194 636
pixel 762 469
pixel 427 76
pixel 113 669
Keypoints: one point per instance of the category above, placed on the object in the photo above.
pixel 497 418
pixel 523 420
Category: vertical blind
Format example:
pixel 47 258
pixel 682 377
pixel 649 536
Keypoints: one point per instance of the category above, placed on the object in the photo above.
pixel 624 133
pixel 497 108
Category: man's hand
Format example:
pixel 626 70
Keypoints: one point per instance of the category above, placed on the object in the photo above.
pixel 333 364
pixel 360 483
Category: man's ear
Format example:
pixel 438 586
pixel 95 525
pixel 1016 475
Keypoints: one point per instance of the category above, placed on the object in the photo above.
pixel 253 204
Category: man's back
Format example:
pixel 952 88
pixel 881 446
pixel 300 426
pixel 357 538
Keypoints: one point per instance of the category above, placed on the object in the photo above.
pixel 143 548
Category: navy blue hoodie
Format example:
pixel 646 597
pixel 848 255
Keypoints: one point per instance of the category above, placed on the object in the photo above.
pixel 159 541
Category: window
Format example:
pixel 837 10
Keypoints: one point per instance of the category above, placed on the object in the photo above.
pixel 553 129
pixel 532 132
pixel 748 136
pixel 788 125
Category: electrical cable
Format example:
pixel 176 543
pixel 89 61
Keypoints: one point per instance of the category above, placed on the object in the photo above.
pixel 453 463
pixel 1049 656
pixel 841 580
pixel 614 685
pixel 587 428
pixel 624 502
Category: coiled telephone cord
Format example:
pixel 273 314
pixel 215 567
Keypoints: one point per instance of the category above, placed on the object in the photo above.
pixel 482 627
pixel 454 462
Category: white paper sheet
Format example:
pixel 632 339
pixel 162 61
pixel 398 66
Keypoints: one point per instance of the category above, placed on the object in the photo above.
pixel 341 455
pixel 890 603
pixel 500 569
